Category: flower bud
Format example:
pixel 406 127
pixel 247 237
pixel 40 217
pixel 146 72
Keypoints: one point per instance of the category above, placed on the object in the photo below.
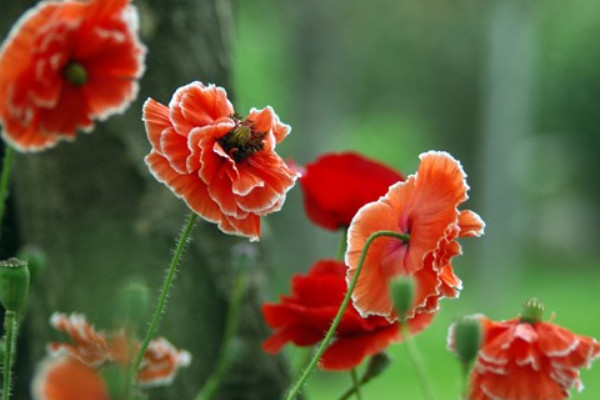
pixel 14 284
pixel 377 364
pixel 467 337
pixel 533 311
pixel 133 303
pixel 402 290
pixel 36 262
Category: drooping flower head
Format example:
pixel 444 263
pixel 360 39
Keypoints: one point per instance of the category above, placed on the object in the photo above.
pixel 424 207
pixel 90 352
pixel 304 317
pixel 223 166
pixel 336 186
pixel 524 359
pixel 65 64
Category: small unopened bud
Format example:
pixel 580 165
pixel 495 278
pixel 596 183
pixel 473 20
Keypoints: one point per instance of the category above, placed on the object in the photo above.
pixel 377 364
pixel 244 257
pixel 533 311
pixel 402 290
pixel 14 284
pixel 467 336
pixel 36 262
pixel 134 303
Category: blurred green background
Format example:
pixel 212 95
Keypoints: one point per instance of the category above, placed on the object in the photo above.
pixel 510 88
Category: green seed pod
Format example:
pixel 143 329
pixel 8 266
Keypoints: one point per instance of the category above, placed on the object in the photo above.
pixel 533 311
pixel 377 364
pixel 402 290
pixel 133 304
pixel 467 336
pixel 14 284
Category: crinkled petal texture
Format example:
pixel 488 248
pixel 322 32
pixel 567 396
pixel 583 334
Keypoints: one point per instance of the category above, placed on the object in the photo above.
pixel 94 349
pixel 425 208
pixel 66 378
pixel 228 181
pixel 336 186
pixel 39 103
pixel 160 363
pixel 87 345
pixel 304 317
pixel 523 361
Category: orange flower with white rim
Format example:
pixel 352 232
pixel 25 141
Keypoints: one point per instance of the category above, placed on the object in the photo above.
pixel 96 349
pixel 65 64
pixel 528 359
pixel 223 166
pixel 424 207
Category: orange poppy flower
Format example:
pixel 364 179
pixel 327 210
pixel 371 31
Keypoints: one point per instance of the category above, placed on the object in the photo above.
pixel 223 166
pixel 528 361
pixel 65 64
pixel 425 208
pixel 66 378
pixel 95 349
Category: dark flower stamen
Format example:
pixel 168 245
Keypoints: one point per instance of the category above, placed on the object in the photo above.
pixel 242 141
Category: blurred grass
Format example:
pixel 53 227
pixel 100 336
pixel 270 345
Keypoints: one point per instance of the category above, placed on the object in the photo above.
pixel 570 291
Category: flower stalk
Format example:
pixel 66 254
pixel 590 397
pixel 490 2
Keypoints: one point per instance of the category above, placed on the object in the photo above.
pixel 7 164
pixel 164 292
pixel 321 349
pixel 10 326
pixel 417 361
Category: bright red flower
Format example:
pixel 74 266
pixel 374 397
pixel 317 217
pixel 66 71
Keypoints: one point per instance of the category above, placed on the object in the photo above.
pixel 528 361
pixel 335 186
pixel 304 317
pixel 223 166
pixel 96 349
pixel 424 207
pixel 65 64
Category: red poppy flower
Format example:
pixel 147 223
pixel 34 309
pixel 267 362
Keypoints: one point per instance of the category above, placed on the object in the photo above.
pixel 66 378
pixel 223 166
pixel 335 186
pixel 65 64
pixel 95 349
pixel 529 361
pixel 424 207
pixel 304 317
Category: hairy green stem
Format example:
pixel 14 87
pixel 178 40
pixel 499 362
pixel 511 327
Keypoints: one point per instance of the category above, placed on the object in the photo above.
pixel 10 326
pixel 9 156
pixel 164 292
pixel 321 349
pixel 417 361
pixel 231 324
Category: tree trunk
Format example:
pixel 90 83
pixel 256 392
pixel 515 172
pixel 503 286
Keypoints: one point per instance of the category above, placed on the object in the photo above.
pixel 102 219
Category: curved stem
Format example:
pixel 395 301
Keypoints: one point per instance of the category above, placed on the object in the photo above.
pixel 321 349
pixel 164 292
pixel 342 246
pixel 415 357
pixel 356 383
pixel 9 155
pixel 10 326
pixel 214 381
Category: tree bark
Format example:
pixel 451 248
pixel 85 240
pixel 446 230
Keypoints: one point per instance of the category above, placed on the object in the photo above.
pixel 101 219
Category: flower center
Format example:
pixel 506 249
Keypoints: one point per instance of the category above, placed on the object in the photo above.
pixel 75 73
pixel 242 141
